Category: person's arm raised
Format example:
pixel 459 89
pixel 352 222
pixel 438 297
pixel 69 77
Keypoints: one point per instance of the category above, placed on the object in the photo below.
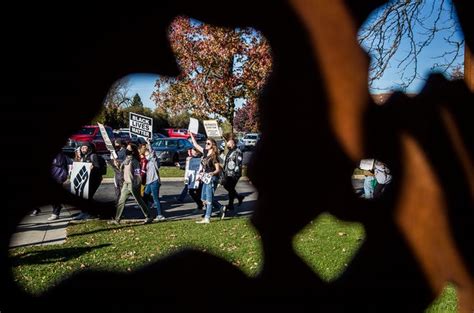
pixel 195 144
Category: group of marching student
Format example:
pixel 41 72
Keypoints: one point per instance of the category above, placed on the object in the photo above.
pixel 136 173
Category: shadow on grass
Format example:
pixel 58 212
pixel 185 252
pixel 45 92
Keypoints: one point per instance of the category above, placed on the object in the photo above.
pixel 52 255
pixel 107 228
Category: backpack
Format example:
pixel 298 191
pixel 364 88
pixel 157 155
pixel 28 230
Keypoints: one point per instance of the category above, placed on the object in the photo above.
pixel 102 170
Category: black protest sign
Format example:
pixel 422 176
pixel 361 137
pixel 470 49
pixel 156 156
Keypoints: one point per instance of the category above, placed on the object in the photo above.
pixel 140 125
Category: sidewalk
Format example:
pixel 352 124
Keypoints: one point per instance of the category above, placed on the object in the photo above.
pixel 38 231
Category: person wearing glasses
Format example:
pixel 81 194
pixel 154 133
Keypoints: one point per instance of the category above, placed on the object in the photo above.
pixel 211 169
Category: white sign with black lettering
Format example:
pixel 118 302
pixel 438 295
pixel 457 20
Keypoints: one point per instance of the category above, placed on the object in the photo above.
pixel 140 125
pixel 212 129
pixel 107 141
pixel 80 177
pixel 193 167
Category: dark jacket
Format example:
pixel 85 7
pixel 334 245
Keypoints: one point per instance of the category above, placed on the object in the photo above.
pixel 60 168
pixel 233 163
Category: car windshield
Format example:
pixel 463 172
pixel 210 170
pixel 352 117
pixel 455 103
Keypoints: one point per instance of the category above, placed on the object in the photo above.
pixel 86 131
pixel 165 143
pixel 251 137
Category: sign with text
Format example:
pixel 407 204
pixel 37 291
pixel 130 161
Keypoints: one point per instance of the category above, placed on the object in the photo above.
pixel 80 177
pixel 141 125
pixel 193 167
pixel 367 164
pixel 107 141
pixel 212 128
pixel 193 125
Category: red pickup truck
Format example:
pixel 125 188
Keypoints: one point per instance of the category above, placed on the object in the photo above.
pixel 183 133
pixel 91 133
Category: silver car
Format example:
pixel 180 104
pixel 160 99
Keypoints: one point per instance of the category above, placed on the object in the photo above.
pixel 250 140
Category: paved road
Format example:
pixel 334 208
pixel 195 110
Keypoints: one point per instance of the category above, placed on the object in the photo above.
pixel 173 209
pixel 37 230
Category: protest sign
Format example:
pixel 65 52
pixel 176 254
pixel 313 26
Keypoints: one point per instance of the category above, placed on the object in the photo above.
pixel 212 128
pixel 140 125
pixel 107 141
pixel 193 167
pixel 193 125
pixel 80 177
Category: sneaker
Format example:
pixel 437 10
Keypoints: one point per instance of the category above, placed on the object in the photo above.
pixel 82 216
pixel 53 217
pixel 35 212
pixel 222 211
pixel 203 221
pixel 160 218
pixel 148 220
pixel 114 222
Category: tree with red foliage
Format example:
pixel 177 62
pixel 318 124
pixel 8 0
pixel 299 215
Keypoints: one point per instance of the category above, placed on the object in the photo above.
pixel 218 66
pixel 247 118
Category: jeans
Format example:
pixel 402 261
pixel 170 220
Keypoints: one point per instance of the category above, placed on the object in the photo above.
pixel 153 188
pixel 207 195
pixel 128 189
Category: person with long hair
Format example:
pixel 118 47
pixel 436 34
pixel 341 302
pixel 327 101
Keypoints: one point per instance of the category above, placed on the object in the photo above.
pixel 131 185
pixel 211 169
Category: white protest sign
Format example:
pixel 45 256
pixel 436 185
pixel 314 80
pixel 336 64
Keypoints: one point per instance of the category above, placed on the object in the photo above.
pixel 80 177
pixel 193 167
pixel 140 125
pixel 367 164
pixel 107 141
pixel 193 125
pixel 212 128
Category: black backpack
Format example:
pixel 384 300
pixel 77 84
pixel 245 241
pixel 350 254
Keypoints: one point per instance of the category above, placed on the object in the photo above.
pixel 102 170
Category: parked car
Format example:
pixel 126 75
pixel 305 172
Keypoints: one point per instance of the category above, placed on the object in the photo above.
pixel 183 133
pixel 249 141
pixel 125 136
pixel 89 133
pixel 171 150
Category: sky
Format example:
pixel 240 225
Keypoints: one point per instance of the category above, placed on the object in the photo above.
pixel 143 84
pixel 427 58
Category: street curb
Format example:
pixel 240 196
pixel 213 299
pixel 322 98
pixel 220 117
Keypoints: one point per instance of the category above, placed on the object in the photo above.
pixel 169 179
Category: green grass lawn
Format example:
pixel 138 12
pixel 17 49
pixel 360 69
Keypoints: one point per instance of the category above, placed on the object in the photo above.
pixel 327 245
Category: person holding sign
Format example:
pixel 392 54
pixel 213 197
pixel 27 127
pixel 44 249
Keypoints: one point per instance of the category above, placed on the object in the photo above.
pixel 193 168
pixel 211 169
pixel 131 185
pixel 87 154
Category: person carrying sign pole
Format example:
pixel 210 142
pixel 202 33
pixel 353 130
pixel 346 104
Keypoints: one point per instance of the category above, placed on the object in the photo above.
pixel 132 181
